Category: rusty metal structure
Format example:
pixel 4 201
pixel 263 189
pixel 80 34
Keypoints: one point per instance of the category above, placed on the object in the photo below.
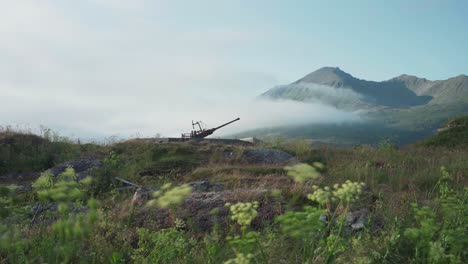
pixel 202 132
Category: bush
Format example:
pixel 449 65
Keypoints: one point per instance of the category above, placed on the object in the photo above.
pixel 165 246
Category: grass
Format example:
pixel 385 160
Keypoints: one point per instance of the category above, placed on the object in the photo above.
pixel 416 195
pixel 25 152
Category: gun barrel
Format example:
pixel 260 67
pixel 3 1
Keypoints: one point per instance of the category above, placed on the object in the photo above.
pixel 230 122
pixel 204 133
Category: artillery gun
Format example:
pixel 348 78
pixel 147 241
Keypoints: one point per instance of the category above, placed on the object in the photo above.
pixel 202 132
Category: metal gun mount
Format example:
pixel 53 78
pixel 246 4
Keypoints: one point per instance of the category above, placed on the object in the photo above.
pixel 202 132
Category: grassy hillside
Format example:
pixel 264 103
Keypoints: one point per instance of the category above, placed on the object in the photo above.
pixel 454 133
pixel 344 135
pixel 24 152
pixel 427 117
pixel 213 205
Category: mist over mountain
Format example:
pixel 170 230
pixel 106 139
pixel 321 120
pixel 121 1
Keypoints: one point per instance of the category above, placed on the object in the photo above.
pixel 400 92
pixel 405 108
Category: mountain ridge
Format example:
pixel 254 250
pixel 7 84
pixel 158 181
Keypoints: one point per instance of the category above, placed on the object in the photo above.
pixel 398 92
pixel 403 109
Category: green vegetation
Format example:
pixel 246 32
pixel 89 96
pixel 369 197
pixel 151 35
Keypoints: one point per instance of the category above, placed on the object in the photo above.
pixel 358 205
pixel 454 133
pixel 26 153
pixel 457 121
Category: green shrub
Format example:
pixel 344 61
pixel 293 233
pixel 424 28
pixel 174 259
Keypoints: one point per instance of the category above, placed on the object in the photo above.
pixel 440 236
pixel 25 153
pixel 104 176
pixel 165 246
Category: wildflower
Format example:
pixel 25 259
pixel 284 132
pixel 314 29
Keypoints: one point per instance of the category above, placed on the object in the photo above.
pixel 64 189
pixel 318 165
pixel 167 197
pixel 179 224
pixel 243 213
pixel 347 192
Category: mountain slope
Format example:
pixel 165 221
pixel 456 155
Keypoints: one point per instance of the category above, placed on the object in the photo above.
pixel 443 91
pixel 454 133
pixel 370 93
pixel 404 109
pixel 451 90
pixel 418 85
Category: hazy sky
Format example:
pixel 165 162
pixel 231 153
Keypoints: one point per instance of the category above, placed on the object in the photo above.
pixel 106 67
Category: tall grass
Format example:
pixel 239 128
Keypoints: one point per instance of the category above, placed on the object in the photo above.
pixel 416 198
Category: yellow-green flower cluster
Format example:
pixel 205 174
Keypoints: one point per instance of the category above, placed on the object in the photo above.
pixel 169 197
pixel 243 213
pixel 66 188
pixel 321 196
pixel 303 172
pixel 45 181
pixel 179 224
pixel 349 191
pixel 240 259
pixel 346 192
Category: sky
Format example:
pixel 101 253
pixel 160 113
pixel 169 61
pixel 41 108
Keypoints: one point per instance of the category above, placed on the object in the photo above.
pixel 96 68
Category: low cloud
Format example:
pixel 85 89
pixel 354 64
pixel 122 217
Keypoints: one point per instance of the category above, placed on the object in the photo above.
pixel 165 114
pixel 319 94
pixel 114 71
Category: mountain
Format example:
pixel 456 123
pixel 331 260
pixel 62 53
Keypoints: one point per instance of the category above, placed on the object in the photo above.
pixel 442 91
pixel 418 85
pixel 400 92
pixel 404 109
pixel 371 93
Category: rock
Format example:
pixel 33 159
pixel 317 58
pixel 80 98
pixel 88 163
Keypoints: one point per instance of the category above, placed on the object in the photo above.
pixel 228 153
pixel 206 209
pixel 24 188
pixel 324 219
pixel 203 210
pixel 357 220
pixel 18 178
pixel 82 166
pixel 206 186
pixel 267 156
pixel 141 196
pixel 47 213
pixel 39 208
